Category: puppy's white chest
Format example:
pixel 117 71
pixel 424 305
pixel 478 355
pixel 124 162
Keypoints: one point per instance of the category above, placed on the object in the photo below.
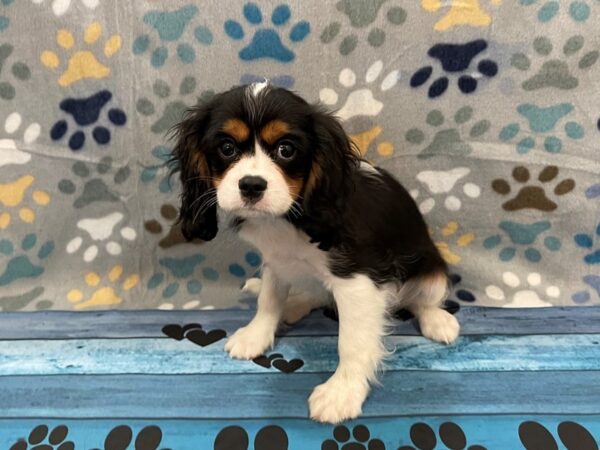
pixel 285 249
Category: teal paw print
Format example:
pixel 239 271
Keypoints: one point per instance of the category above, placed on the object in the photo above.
pixel 362 15
pixel 181 270
pixel 554 72
pixel 21 266
pixel 161 170
pixel 171 27
pixel 94 189
pixel 522 236
pixel 267 42
pixel 253 260
pixel 590 243
pixel 4 20
pixel 173 109
pixel 579 11
pixel 19 71
pixel 542 123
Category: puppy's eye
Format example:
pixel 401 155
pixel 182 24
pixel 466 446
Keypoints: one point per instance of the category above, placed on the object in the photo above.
pixel 227 149
pixel 286 150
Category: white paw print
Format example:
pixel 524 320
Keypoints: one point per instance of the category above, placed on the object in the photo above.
pixel 441 182
pixel 192 304
pixel 523 298
pixel 9 153
pixel 100 230
pixel 59 7
pixel 360 102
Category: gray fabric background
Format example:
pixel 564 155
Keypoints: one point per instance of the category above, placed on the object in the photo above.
pixel 537 245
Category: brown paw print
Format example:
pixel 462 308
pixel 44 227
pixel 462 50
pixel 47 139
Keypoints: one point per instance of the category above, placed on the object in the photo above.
pixel 174 236
pixel 423 437
pixel 42 438
pixel 529 196
pixel 361 438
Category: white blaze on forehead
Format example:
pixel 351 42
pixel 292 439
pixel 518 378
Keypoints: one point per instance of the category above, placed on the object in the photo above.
pixel 256 88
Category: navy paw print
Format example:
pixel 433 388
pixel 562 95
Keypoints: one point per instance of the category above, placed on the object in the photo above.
pixel 86 112
pixel 266 42
pixel 462 294
pixel 455 59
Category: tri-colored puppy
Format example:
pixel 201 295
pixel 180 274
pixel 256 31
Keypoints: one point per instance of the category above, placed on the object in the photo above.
pixel 301 194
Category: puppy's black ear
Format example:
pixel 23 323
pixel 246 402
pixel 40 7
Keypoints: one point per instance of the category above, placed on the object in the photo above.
pixel 198 211
pixel 329 181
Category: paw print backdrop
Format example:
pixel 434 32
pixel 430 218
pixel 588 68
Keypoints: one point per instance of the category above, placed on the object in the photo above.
pixel 486 110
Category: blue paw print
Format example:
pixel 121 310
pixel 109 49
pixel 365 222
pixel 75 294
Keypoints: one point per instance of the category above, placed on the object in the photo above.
pixel 253 259
pixel 170 27
pixel 593 191
pixel 455 59
pixel 592 257
pixel 86 112
pixel 164 167
pixel 523 235
pixel 181 269
pixel 5 21
pixel 541 122
pixel 266 42
pixel 462 294
pixel 578 10
pixel 21 266
pixel 282 81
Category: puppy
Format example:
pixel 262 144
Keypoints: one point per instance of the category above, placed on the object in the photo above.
pixel 301 194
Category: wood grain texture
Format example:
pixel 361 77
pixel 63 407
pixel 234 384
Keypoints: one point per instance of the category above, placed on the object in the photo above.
pixel 403 394
pixel 119 324
pixel 168 356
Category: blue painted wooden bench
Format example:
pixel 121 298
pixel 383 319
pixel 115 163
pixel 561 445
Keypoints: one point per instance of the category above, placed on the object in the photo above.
pixel 149 380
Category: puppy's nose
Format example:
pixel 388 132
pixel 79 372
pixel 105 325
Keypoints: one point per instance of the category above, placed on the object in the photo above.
pixel 252 187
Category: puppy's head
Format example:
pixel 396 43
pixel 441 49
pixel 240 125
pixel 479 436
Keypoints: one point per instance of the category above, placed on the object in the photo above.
pixel 255 151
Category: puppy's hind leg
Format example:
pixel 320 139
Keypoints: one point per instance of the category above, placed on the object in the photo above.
pixel 423 296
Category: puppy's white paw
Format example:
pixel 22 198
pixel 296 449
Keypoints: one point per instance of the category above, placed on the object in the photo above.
pixel 438 325
pixel 252 285
pixel 250 341
pixel 337 400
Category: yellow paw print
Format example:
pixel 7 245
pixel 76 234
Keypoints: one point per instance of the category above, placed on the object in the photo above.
pixel 464 240
pixel 82 64
pixel 103 296
pixel 12 195
pixel 364 140
pixel 462 12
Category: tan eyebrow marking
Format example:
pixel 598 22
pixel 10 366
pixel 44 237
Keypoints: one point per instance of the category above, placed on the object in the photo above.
pixel 274 130
pixel 237 129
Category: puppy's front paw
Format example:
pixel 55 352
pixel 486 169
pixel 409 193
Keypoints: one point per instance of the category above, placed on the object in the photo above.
pixel 250 341
pixel 337 399
pixel 438 325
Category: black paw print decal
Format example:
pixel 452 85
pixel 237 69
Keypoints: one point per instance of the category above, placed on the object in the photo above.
pixel 193 332
pixel 455 59
pixel 120 438
pixel 361 440
pixel 452 436
pixel 41 438
pixel 236 438
pixel 534 436
pixel 277 361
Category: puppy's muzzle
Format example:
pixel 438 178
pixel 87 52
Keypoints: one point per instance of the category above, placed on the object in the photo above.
pixel 252 188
